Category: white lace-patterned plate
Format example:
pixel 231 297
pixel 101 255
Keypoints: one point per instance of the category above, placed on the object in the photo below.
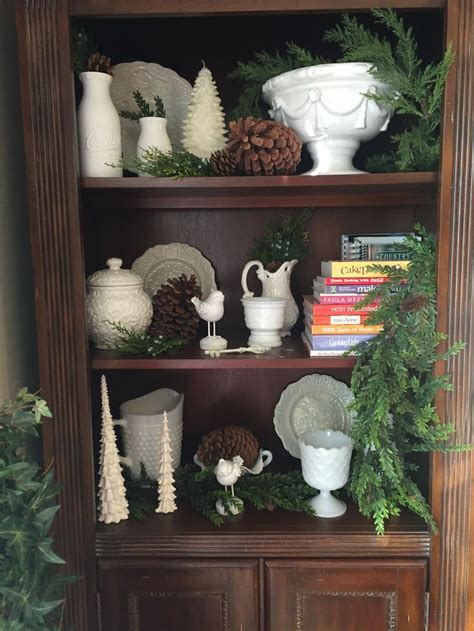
pixel 314 402
pixel 162 262
pixel 151 80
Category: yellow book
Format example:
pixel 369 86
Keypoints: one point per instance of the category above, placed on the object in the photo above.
pixel 357 269
pixel 345 329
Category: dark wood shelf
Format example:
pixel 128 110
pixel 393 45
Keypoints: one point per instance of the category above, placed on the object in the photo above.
pixel 371 189
pixel 186 533
pixel 292 354
pixel 123 8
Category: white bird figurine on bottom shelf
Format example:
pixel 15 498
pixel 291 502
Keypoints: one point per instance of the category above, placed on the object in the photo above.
pixel 211 310
pixel 227 473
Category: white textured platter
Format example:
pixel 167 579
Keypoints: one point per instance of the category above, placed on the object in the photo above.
pixel 314 402
pixel 151 80
pixel 162 262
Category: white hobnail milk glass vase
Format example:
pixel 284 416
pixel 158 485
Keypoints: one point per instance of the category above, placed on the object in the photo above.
pixel 153 133
pixel 100 146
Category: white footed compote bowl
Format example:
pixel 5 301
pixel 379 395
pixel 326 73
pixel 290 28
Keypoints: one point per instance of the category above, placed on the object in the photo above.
pixel 327 107
pixel 325 460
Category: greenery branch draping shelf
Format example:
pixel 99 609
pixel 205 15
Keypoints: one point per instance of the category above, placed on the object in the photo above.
pixel 417 87
pixel 265 491
pixel 144 108
pixel 31 590
pixel 175 165
pixel 134 343
pixel 394 388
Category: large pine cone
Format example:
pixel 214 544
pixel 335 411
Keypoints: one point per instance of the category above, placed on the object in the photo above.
pixel 223 163
pixel 174 315
pixel 228 442
pixel 263 147
pixel 99 63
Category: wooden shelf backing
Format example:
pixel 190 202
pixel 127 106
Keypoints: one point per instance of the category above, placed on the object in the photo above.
pixel 292 354
pixel 371 189
pixel 123 8
pixel 186 533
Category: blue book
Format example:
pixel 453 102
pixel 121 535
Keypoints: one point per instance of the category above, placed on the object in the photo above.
pixel 335 342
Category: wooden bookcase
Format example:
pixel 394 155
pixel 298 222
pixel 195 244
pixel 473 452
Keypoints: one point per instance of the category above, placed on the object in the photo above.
pixel 272 571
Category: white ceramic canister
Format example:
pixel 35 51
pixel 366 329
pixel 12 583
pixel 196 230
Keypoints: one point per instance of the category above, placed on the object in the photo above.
pixel 264 317
pixel 116 295
pixel 153 133
pixel 98 122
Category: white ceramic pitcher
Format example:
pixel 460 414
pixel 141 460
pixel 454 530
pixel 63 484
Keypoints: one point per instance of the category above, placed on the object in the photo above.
pixel 277 285
pixel 142 422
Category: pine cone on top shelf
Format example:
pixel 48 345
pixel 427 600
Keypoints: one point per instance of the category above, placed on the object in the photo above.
pixel 99 63
pixel 174 315
pixel 223 163
pixel 263 147
pixel 228 442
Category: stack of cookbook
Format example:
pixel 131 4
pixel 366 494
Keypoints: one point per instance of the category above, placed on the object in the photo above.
pixel 332 325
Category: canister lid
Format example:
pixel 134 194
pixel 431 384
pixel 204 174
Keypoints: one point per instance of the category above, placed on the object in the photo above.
pixel 114 276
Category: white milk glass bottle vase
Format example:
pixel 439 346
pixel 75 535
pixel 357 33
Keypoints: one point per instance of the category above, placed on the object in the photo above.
pixel 153 133
pixel 100 144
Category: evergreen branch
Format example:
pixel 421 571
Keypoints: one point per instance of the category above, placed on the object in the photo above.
pixel 144 108
pixel 284 239
pixel 175 165
pixel 134 343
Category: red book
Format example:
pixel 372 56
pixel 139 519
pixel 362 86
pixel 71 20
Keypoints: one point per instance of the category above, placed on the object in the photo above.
pixel 338 280
pixel 339 299
pixel 334 309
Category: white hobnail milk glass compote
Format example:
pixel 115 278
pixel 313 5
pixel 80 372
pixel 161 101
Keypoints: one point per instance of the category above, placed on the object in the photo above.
pixel 325 460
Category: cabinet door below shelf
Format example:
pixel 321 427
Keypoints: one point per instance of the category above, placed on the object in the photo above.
pixel 345 596
pixel 179 595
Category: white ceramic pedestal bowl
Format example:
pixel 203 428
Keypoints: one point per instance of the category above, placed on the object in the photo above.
pixel 325 460
pixel 327 108
pixel 265 318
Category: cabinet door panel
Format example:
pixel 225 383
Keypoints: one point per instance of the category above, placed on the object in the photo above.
pixel 341 596
pixel 180 595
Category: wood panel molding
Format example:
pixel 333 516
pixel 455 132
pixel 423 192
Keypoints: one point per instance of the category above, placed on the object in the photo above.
pixel 452 488
pixel 48 110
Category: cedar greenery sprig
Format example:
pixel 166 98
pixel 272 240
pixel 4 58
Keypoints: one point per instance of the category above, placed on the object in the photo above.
pixel 32 590
pixel 417 88
pixel 264 66
pixel 284 239
pixel 266 491
pixel 144 108
pixel 394 388
pixel 134 343
pixel 175 165
pixel 82 46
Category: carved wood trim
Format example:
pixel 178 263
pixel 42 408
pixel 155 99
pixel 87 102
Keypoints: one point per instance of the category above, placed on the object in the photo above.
pixel 134 600
pixel 389 597
pixel 452 479
pixel 48 118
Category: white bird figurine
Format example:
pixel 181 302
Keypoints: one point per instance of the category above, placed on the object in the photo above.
pixel 211 310
pixel 229 471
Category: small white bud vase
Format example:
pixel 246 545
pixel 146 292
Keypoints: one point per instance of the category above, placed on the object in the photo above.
pixel 116 295
pixel 153 133
pixel 98 123
pixel 325 460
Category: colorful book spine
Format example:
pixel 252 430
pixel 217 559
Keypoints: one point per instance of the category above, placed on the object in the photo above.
pixel 344 329
pixel 341 299
pixel 335 280
pixel 334 342
pixel 334 320
pixel 318 288
pixel 318 353
pixel 336 309
pixel 357 269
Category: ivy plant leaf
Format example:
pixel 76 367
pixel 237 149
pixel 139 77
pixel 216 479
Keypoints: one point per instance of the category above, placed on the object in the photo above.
pixel 46 607
pixel 45 548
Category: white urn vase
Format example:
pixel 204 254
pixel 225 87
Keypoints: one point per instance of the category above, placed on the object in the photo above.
pixel 117 296
pixel 325 460
pixel 153 133
pixel 98 121
pixel 328 107
pixel 275 285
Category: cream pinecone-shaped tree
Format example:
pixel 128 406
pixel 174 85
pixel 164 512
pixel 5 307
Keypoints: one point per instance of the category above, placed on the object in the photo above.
pixel 166 490
pixel 113 506
pixel 204 125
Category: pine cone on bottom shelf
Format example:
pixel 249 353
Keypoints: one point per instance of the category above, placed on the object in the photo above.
pixel 263 147
pixel 223 163
pixel 174 315
pixel 99 63
pixel 227 442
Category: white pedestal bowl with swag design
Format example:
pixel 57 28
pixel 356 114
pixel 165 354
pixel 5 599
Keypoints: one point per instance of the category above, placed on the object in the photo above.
pixel 328 108
pixel 325 461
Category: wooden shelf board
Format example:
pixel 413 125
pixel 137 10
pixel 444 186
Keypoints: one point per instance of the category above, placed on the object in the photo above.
pixel 123 8
pixel 292 354
pixel 186 533
pixel 371 189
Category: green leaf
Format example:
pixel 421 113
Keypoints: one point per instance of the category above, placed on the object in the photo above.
pixel 45 548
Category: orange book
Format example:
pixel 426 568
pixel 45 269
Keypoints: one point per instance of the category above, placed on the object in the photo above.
pixel 345 329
